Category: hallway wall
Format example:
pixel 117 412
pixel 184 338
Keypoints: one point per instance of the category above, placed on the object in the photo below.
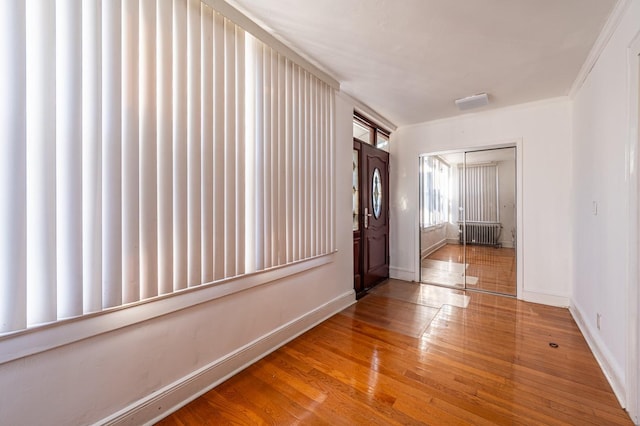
pixel 143 370
pixel 602 163
pixel 543 130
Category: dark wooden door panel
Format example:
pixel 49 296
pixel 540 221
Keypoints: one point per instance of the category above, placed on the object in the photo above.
pixel 378 260
pixel 375 202
pixel 377 251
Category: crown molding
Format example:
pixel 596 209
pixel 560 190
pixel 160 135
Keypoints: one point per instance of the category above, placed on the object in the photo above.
pixel 598 47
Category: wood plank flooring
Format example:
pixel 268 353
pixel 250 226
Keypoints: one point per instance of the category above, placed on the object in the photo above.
pixel 489 268
pixel 413 354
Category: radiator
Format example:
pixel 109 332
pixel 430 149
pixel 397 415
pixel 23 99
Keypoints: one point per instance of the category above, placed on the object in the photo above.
pixel 481 233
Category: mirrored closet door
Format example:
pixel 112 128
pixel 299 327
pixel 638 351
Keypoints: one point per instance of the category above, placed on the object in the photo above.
pixel 468 220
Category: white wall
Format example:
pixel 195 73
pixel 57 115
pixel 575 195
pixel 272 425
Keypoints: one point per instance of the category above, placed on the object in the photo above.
pixel 601 174
pixel 507 198
pixel 432 238
pixel 90 380
pixel 544 130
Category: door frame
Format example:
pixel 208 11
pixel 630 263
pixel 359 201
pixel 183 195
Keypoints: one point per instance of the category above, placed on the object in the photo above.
pixel 510 143
pixel 360 283
pixel 632 378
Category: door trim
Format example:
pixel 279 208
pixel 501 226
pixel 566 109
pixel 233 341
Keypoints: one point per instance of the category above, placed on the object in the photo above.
pixel 632 379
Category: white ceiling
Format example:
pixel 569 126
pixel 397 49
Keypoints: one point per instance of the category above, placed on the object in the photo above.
pixel 410 59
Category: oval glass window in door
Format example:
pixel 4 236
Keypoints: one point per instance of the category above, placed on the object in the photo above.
pixel 376 193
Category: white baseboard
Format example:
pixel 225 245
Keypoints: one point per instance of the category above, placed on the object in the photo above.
pixel 401 274
pixel 544 299
pixel 507 244
pixel 602 355
pixel 165 401
pixel 433 248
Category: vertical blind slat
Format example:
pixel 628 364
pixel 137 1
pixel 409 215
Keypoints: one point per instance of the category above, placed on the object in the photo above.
pixel 41 158
pixel 193 143
pixel 266 157
pixel 323 164
pixel 13 167
pixel 250 152
pixel 130 279
pixel 273 158
pixel 282 165
pixel 91 157
pixel 332 162
pixel 207 145
pixel 164 70
pixel 180 230
pixel 240 141
pixel 313 158
pixel 219 146
pixel 307 166
pixel 289 159
pixel 260 182
pixel 300 164
pixel 68 23
pixel 230 149
pixel 295 162
pixel 148 152
pixel 111 155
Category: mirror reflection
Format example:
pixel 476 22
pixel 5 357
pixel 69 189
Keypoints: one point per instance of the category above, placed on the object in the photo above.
pixel 468 220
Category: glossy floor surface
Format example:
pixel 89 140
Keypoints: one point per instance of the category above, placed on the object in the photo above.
pixel 487 268
pixel 415 354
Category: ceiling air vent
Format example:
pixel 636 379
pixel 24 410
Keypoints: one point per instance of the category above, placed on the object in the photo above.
pixel 474 101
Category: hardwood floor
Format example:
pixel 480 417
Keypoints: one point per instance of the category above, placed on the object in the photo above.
pixel 489 268
pixel 414 354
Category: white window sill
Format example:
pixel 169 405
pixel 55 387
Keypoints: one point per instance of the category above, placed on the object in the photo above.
pixel 49 336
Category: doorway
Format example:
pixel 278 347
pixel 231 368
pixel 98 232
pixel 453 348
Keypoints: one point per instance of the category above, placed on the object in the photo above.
pixel 370 187
pixel 468 220
pixel 371 216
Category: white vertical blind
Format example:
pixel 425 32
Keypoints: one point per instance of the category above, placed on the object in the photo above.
pixel 480 192
pixel 148 146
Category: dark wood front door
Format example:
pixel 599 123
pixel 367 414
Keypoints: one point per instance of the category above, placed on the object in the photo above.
pixel 374 236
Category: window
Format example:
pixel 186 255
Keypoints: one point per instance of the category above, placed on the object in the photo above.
pixel 382 141
pixel 362 131
pixel 148 148
pixel 480 193
pixel 366 131
pixel 435 187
